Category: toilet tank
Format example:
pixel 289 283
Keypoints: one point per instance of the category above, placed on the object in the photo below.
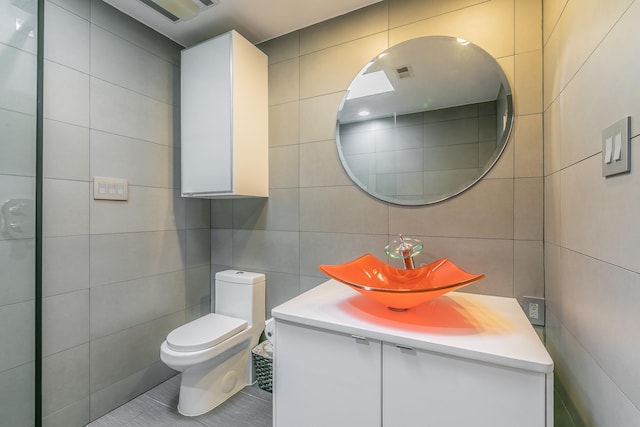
pixel 240 294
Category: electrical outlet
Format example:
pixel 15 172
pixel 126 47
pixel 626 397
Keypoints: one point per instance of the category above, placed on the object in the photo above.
pixel 534 309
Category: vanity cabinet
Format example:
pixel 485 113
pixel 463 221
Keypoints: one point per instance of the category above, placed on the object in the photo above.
pixel 326 378
pixel 461 360
pixel 224 119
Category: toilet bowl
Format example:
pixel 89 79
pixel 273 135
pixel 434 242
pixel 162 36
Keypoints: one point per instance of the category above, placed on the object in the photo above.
pixel 213 352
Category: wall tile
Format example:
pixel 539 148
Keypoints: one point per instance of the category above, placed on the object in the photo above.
pixel 528 268
pixel 18 74
pixel 125 64
pixel 122 355
pixel 528 211
pixel 527 135
pixel 198 213
pixel 492 30
pixel 198 289
pixel 282 48
pixel 17 326
pixel 136 255
pixel 345 28
pixel 17 151
pixel 318 117
pixel 284 166
pixel 485 210
pixel 65 321
pixel 281 287
pixel 341 210
pixel 266 250
pixel 332 70
pixel 320 165
pixel 66 206
pixel 20 39
pixel 81 8
pixel 284 81
pixel 66 379
pixel 75 414
pixel 115 395
pixel 111 19
pixel 284 124
pixel 66 151
pixel 65 264
pixel 491 257
pixel 198 247
pixel 528 83
pixel 123 112
pixel 17 275
pixel 337 248
pixel 551 11
pixel 528 25
pixel 66 94
pixel 278 212
pixel 17 407
pixel 222 247
pixel 221 213
pixel 138 301
pixel 402 12
pixel 148 209
pixel 140 162
pixel 67 40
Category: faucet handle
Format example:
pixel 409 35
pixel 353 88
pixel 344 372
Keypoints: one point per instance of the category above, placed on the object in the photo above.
pixel 404 248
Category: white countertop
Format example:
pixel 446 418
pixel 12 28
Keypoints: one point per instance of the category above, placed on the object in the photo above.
pixel 479 327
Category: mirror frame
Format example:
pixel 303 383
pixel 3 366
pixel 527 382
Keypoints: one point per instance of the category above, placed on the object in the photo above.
pixel 501 144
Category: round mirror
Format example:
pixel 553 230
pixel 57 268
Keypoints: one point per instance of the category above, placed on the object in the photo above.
pixel 424 120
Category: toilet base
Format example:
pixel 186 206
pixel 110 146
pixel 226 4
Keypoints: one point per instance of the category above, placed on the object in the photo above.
pixel 207 385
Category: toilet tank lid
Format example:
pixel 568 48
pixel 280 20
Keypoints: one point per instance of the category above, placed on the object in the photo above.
pixel 243 277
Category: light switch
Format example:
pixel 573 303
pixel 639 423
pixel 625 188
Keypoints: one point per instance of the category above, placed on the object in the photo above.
pixel 110 188
pixel 608 149
pixel 616 148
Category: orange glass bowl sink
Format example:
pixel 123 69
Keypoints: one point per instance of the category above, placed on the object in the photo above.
pixel 400 289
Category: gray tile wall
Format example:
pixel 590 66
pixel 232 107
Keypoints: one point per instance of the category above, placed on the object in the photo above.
pixel 316 215
pixel 118 276
pixel 17 183
pixel 591 223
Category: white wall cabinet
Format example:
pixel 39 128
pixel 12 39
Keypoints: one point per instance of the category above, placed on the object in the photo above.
pixel 338 365
pixel 224 119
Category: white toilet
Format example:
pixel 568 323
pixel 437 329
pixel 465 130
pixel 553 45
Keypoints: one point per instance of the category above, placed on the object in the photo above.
pixel 214 352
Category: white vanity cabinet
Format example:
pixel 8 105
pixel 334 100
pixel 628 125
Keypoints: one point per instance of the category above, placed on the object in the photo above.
pixel 224 119
pixel 341 360
pixel 325 378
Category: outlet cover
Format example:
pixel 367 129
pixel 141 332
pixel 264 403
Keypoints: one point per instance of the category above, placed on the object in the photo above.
pixel 534 308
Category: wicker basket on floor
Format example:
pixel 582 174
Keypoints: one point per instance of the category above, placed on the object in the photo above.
pixel 263 366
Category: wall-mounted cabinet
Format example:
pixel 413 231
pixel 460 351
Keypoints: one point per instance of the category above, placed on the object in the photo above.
pixel 224 119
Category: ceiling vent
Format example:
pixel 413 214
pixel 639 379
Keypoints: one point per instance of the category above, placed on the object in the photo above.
pixel 404 72
pixel 178 10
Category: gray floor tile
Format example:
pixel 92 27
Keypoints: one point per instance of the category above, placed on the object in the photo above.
pixel 162 416
pixel 167 392
pixel 126 412
pixel 241 410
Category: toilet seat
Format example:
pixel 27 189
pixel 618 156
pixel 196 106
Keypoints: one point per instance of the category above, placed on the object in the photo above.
pixel 205 332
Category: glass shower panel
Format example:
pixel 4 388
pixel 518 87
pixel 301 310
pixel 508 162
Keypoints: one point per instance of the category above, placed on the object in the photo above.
pixel 18 71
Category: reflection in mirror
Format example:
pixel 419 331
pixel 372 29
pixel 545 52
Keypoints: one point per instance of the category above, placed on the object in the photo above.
pixel 424 120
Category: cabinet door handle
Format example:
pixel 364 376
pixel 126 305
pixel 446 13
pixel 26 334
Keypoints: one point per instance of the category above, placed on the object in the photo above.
pixel 359 338
pixel 404 347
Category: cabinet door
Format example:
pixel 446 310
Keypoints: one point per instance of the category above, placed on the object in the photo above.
pixel 427 389
pixel 324 379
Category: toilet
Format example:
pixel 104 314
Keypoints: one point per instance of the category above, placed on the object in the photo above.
pixel 214 352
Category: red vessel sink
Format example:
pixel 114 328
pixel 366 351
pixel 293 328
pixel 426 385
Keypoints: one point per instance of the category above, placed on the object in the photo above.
pixel 400 289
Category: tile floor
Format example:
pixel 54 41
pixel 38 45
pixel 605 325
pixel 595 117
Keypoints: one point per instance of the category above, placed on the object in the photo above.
pixel 251 407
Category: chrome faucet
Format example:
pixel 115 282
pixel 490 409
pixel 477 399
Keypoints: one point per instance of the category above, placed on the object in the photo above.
pixel 404 248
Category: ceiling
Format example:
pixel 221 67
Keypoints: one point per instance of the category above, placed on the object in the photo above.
pixel 256 20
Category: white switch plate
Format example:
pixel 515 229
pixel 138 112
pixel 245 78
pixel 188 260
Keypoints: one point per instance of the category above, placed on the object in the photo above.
pixel 110 188
pixel 616 148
